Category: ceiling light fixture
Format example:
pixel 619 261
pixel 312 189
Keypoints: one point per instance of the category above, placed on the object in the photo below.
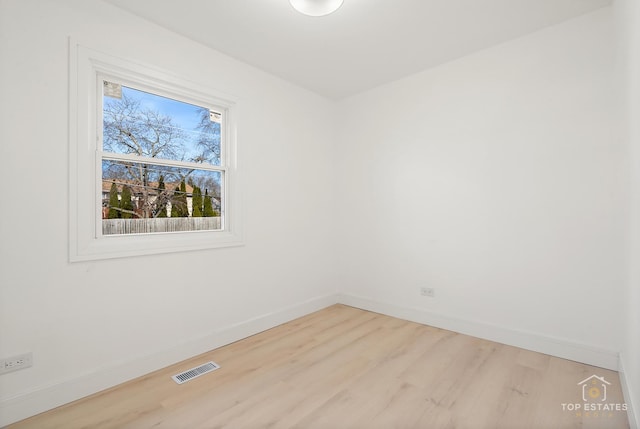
pixel 316 7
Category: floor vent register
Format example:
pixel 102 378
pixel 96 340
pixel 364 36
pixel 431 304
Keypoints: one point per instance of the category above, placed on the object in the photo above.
pixel 192 373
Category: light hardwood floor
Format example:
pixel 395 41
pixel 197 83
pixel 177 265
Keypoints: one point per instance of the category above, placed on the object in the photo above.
pixel 347 368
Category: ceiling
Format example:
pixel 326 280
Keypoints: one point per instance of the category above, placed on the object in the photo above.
pixel 364 44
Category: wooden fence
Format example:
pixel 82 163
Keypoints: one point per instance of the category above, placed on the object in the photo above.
pixel 169 224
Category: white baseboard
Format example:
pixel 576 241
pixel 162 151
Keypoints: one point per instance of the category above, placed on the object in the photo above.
pixel 634 422
pixel 527 340
pixel 62 392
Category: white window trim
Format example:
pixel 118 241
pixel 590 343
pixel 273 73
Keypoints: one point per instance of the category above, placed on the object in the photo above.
pixel 86 66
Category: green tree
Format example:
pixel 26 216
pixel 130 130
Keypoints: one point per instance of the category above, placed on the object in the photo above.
pixel 196 202
pixel 179 201
pixel 161 201
pixel 114 202
pixel 175 203
pixel 183 199
pixel 208 205
pixel 126 205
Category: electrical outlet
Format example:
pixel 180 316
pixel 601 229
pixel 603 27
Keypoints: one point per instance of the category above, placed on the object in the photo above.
pixel 16 363
pixel 428 291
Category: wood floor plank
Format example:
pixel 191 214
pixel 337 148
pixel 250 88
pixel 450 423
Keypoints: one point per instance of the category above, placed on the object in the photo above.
pixel 347 368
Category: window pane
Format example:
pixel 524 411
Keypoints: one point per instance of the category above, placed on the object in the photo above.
pixel 147 198
pixel 145 124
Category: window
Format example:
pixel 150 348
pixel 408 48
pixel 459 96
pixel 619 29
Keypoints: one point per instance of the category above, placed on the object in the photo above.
pixel 161 163
pixel 153 163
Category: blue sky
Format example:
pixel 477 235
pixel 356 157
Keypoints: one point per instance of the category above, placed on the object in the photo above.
pixel 185 116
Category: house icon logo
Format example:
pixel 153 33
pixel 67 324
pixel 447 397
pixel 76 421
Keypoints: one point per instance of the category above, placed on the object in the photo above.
pixel 594 400
pixel 594 388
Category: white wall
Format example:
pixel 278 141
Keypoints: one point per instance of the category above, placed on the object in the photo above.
pixel 495 179
pixel 627 14
pixel 84 321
